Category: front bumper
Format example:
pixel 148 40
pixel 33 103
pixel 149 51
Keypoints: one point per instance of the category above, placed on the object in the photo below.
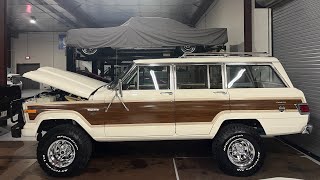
pixel 16 130
pixel 307 129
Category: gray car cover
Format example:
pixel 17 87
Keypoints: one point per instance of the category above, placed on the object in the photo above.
pixel 145 32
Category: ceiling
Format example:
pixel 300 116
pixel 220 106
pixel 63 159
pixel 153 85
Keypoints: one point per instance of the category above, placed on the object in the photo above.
pixel 62 15
pixel 269 3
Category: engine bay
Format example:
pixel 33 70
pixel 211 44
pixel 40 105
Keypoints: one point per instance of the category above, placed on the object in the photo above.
pixel 53 95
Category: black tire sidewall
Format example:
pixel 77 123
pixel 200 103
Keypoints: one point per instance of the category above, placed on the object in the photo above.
pixel 89 55
pixel 180 52
pixel 51 169
pixel 228 166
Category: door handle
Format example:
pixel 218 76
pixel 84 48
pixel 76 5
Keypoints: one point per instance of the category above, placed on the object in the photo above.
pixel 220 92
pixel 169 93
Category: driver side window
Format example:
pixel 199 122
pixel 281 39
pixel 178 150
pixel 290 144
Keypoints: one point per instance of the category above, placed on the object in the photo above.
pixel 149 78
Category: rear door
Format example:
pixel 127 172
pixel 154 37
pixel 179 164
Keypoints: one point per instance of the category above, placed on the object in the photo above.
pixel 199 97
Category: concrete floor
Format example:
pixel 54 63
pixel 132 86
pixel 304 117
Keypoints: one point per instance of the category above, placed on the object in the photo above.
pixel 184 160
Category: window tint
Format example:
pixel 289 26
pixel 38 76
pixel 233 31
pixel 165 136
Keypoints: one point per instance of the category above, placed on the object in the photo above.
pixel 150 77
pixel 215 77
pixel 192 77
pixel 252 76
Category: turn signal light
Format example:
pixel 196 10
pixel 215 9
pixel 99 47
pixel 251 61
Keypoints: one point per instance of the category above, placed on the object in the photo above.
pixel 303 109
pixel 30 111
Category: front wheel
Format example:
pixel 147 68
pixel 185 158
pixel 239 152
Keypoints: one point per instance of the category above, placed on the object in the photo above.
pixel 238 149
pixel 64 151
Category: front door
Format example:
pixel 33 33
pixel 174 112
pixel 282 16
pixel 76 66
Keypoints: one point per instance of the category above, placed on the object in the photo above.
pixel 199 98
pixel 149 97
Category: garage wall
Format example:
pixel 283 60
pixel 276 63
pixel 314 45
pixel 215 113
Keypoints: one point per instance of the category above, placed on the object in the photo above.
pixel 42 47
pixel 296 43
pixel 226 14
pixel 262 32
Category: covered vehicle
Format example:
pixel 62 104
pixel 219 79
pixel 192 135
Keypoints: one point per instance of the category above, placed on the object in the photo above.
pixel 146 33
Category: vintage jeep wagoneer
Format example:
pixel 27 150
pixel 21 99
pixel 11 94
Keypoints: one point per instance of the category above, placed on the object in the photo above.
pixel 232 100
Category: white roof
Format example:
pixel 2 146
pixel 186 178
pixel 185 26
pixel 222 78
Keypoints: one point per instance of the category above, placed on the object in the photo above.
pixel 67 81
pixel 211 59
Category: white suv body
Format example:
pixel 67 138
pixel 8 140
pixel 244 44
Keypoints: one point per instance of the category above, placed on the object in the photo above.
pixel 175 99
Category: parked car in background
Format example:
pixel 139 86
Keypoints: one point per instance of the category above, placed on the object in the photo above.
pixel 147 35
pixel 167 51
pixel 230 100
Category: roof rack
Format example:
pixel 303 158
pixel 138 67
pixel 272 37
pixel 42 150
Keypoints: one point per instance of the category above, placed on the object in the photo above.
pixel 226 54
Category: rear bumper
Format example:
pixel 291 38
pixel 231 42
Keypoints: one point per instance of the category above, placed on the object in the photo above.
pixel 307 129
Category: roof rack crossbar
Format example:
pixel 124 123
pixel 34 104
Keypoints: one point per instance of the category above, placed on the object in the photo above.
pixel 226 54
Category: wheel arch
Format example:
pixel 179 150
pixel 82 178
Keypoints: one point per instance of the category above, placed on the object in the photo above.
pixel 251 122
pixel 254 123
pixel 47 120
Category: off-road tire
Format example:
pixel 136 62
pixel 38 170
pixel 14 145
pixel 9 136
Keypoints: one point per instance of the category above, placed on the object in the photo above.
pixel 222 141
pixel 74 135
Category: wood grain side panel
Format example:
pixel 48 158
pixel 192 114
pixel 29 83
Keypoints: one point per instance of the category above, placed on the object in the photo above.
pixel 289 104
pixel 199 111
pixel 93 117
pixel 163 112
pixel 141 112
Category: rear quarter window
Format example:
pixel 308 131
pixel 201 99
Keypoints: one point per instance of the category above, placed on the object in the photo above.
pixel 253 76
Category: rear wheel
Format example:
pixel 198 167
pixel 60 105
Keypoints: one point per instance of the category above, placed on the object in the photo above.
pixel 64 151
pixel 239 150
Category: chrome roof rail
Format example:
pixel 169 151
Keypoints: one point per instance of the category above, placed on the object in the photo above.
pixel 226 54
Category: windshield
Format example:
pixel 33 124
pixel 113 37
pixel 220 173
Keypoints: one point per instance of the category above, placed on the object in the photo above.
pixel 114 83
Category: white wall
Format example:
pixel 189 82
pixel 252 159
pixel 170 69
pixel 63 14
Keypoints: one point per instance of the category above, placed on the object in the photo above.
pixel 226 14
pixel 262 32
pixel 42 47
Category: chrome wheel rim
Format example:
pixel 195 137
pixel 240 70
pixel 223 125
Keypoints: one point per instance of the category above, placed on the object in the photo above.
pixel 61 153
pixel 241 152
pixel 89 51
pixel 188 49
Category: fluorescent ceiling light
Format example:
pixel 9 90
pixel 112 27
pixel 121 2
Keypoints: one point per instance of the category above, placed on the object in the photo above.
pixel 33 20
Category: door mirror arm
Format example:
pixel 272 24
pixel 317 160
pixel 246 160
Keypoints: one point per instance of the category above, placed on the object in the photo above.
pixel 118 94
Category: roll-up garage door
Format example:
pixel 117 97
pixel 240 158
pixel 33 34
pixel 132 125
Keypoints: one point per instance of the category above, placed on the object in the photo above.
pixel 296 43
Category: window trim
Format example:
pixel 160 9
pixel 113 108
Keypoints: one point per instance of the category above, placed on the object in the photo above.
pixel 208 74
pixel 254 64
pixel 150 65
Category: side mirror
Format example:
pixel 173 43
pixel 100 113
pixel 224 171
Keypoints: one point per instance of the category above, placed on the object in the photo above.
pixel 120 87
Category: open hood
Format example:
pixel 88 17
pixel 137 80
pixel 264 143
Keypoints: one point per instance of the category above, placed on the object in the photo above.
pixel 67 81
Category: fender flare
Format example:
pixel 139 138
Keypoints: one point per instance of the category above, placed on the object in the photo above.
pixel 62 115
pixel 229 116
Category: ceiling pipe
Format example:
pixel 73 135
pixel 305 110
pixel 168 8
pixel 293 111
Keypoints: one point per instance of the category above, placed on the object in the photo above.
pixel 57 13
pixel 74 8
pixel 202 9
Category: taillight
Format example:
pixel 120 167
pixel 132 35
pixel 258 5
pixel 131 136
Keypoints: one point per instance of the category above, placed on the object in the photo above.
pixel 303 109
